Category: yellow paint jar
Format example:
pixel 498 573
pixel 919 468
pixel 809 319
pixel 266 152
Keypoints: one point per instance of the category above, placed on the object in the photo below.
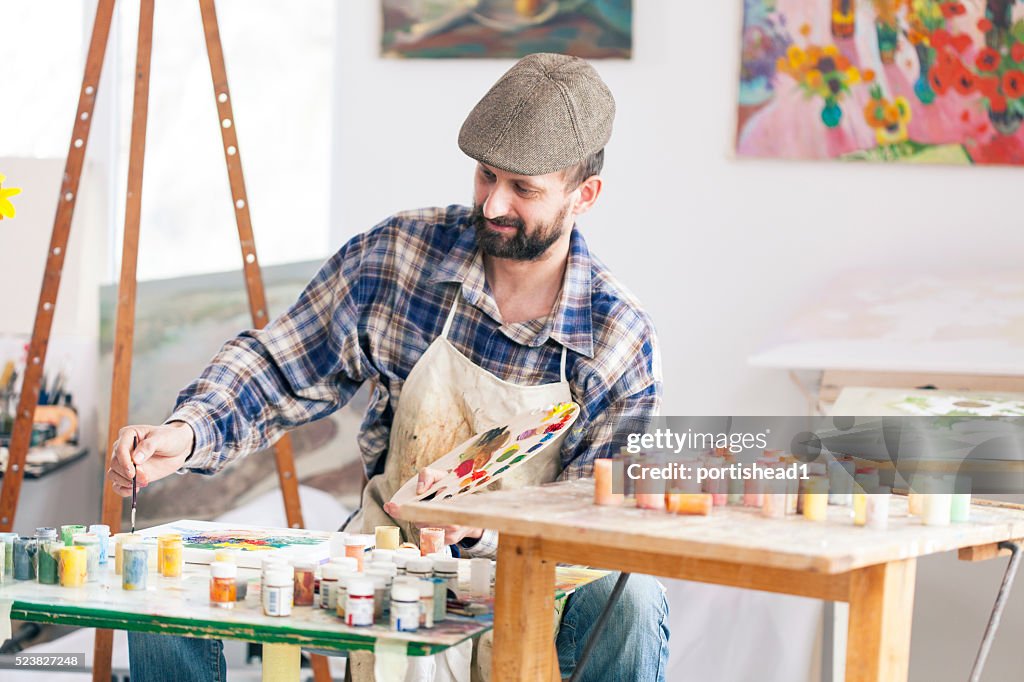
pixel 816 498
pixel 170 555
pixel 120 540
pixel 71 565
pixel 860 508
pixel 387 537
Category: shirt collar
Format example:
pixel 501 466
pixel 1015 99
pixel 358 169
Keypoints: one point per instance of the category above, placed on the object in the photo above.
pixel 571 324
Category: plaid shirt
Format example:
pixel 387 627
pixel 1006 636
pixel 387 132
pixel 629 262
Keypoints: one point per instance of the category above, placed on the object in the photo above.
pixel 374 308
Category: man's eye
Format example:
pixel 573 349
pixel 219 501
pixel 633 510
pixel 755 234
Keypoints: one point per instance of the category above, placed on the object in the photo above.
pixel 525 191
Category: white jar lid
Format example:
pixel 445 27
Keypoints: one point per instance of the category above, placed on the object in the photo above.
pixel 420 565
pixel 223 569
pixel 446 565
pixel 360 587
pixel 409 552
pixel 384 567
pixel 278 578
pixel 346 562
pixel 356 541
pixel 382 555
pixel 331 572
pixel 405 592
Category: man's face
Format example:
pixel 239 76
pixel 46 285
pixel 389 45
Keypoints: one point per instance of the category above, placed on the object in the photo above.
pixel 519 216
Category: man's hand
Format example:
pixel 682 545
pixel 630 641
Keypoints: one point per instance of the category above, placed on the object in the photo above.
pixel 452 534
pixel 161 451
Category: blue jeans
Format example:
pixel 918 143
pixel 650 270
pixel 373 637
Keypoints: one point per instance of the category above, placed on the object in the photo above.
pixel 634 645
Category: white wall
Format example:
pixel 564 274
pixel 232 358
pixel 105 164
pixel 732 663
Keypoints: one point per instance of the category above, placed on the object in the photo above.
pixel 719 251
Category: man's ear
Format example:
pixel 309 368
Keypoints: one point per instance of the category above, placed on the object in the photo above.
pixel 587 194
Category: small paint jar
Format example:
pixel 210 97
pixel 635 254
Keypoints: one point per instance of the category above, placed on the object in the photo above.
pixel 860 508
pixel 960 506
pixel 46 533
pixel 792 495
pixel 938 508
pixel 753 491
pixel 405 608
pixel 359 603
pixel 878 509
pixel 68 533
pixel 689 504
pixel 47 561
pixel 170 555
pixel 120 540
pixel 330 574
pixel 277 591
pixel 381 590
pixel 422 567
pixel 341 593
pixel 102 531
pixel 8 542
pixel 773 505
pixel 426 588
pixel 815 505
pixel 92 547
pixel 449 570
pixel 305 573
pixel 480 577
pixel 431 541
pixel 355 547
pixel 915 494
pixel 223 587
pixel 134 566
pixel 72 565
pixel 25 551
pixel 604 486
pixel 387 537
pixel 440 598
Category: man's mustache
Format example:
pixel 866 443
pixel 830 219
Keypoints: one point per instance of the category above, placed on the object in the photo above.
pixel 503 221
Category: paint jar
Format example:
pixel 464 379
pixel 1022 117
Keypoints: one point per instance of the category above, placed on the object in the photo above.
pixel 916 493
pixel 689 504
pixel 336 544
pixel 960 506
pixel 792 494
pixel 170 555
pixel 386 556
pixel 223 584
pixel 733 483
pixel 405 608
pixel 72 565
pixel 277 590
pixel 422 567
pixel 47 561
pixel 860 508
pixel 753 491
pixel 92 548
pixel 341 591
pixel 938 508
pixel 68 533
pixel 359 603
pixel 440 598
pixel 381 590
pixel 134 566
pixel 355 547
pixel 426 588
pixel 25 551
pixel 431 541
pixel 8 542
pixel 387 537
pixel 449 570
pixel 330 574
pixel 774 503
pixel 102 531
pixel 406 553
pixel 304 574
pixel 815 507
pixel 480 577
pixel 152 553
pixel 878 509
pixel 46 534
pixel 605 471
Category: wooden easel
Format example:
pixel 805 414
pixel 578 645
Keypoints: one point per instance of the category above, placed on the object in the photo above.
pixel 22 432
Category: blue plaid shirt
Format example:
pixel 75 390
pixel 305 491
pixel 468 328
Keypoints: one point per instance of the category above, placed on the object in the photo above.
pixel 372 310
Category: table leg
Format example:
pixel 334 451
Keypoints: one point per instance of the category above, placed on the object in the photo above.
pixel 524 607
pixel 881 612
pixel 281 662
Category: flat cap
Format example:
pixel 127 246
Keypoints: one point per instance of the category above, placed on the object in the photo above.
pixel 548 112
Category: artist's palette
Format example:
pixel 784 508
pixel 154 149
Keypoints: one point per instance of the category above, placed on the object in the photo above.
pixel 200 539
pixel 490 456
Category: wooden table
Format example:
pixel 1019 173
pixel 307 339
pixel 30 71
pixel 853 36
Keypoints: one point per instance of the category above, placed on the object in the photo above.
pixel 872 570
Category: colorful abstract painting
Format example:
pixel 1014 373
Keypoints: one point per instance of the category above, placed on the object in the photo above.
pixel 438 29
pixel 920 81
pixel 200 539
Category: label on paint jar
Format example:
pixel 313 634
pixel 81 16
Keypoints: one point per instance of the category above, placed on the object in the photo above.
pixel 277 600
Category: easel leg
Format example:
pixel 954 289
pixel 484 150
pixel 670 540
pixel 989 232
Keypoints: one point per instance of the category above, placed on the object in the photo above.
pixel 281 662
pixel 881 613
pixel 523 609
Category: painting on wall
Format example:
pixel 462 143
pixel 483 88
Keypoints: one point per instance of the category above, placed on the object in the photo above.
pixel 439 29
pixel 919 81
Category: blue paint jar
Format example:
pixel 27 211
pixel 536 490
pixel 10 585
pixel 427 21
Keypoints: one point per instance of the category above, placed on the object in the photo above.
pixel 25 550
pixel 134 566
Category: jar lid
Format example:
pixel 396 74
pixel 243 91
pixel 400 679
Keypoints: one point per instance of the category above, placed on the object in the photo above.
pixel 405 592
pixel 304 566
pixel 223 569
pixel 99 528
pixel 360 587
pixel 382 555
pixel 409 552
pixel 446 565
pixel 278 578
pixel 420 565
pixel 384 567
pixel 356 541
pixel 331 572
pixel 85 539
pixel 346 562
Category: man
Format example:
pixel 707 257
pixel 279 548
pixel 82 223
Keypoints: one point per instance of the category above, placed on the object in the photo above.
pixel 460 318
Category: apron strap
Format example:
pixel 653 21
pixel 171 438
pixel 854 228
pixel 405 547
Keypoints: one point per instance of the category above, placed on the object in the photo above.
pixel 562 370
pixel 451 316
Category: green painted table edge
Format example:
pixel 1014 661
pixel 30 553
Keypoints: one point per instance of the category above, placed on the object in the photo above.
pixel 168 625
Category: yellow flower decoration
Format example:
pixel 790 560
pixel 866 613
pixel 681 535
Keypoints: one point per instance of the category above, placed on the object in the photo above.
pixel 796 56
pixel 6 207
pixel 853 75
pixel 830 50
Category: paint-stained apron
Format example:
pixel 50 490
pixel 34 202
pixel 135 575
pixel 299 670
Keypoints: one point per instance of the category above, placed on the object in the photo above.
pixel 445 400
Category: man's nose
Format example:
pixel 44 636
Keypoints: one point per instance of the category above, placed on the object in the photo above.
pixel 497 203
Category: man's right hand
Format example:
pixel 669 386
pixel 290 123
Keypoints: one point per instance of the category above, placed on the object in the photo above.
pixel 161 451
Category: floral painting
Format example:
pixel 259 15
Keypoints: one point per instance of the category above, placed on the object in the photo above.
pixel 438 29
pixel 922 81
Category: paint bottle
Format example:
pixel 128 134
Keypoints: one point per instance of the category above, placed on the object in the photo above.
pixel 937 509
pixel 359 603
pixel 378 556
pixel 387 537
pixel 92 548
pixel 440 598
pixel 878 508
pixel 303 592
pixel 47 561
pixel 839 492
pixel 480 577
pixel 223 584
pixel 381 591
pixel 753 491
pixel 431 541
pixel 774 502
pixel 25 551
pixel 860 508
pixel 68 533
pixel 330 574
pixel 426 589
pixel 650 492
pixel 341 598
pixel 355 547
pixel 8 542
pixel 405 608
pixel 916 493
pixel 170 555
pixel 689 504
pixel 102 531
pixel 72 566
pixel 604 489
pixel 815 507
pixel 449 570
pixel 276 592
pixel 134 566
pixel 46 533
pixel 960 506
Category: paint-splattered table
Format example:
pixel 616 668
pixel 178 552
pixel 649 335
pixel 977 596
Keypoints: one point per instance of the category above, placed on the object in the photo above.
pixel 874 571
pixel 181 606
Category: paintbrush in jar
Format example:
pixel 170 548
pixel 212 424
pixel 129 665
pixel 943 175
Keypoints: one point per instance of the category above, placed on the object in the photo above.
pixel 135 476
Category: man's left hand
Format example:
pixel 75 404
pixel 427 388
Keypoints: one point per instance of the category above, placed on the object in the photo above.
pixel 452 534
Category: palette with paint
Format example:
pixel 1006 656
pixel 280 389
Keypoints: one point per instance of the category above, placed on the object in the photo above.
pixel 490 456
pixel 200 539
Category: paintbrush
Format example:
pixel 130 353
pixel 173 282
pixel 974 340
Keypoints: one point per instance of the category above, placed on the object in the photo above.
pixel 135 476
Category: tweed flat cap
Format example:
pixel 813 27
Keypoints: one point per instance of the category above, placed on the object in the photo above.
pixel 548 112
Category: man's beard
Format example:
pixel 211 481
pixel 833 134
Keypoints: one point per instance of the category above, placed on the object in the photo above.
pixel 520 246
